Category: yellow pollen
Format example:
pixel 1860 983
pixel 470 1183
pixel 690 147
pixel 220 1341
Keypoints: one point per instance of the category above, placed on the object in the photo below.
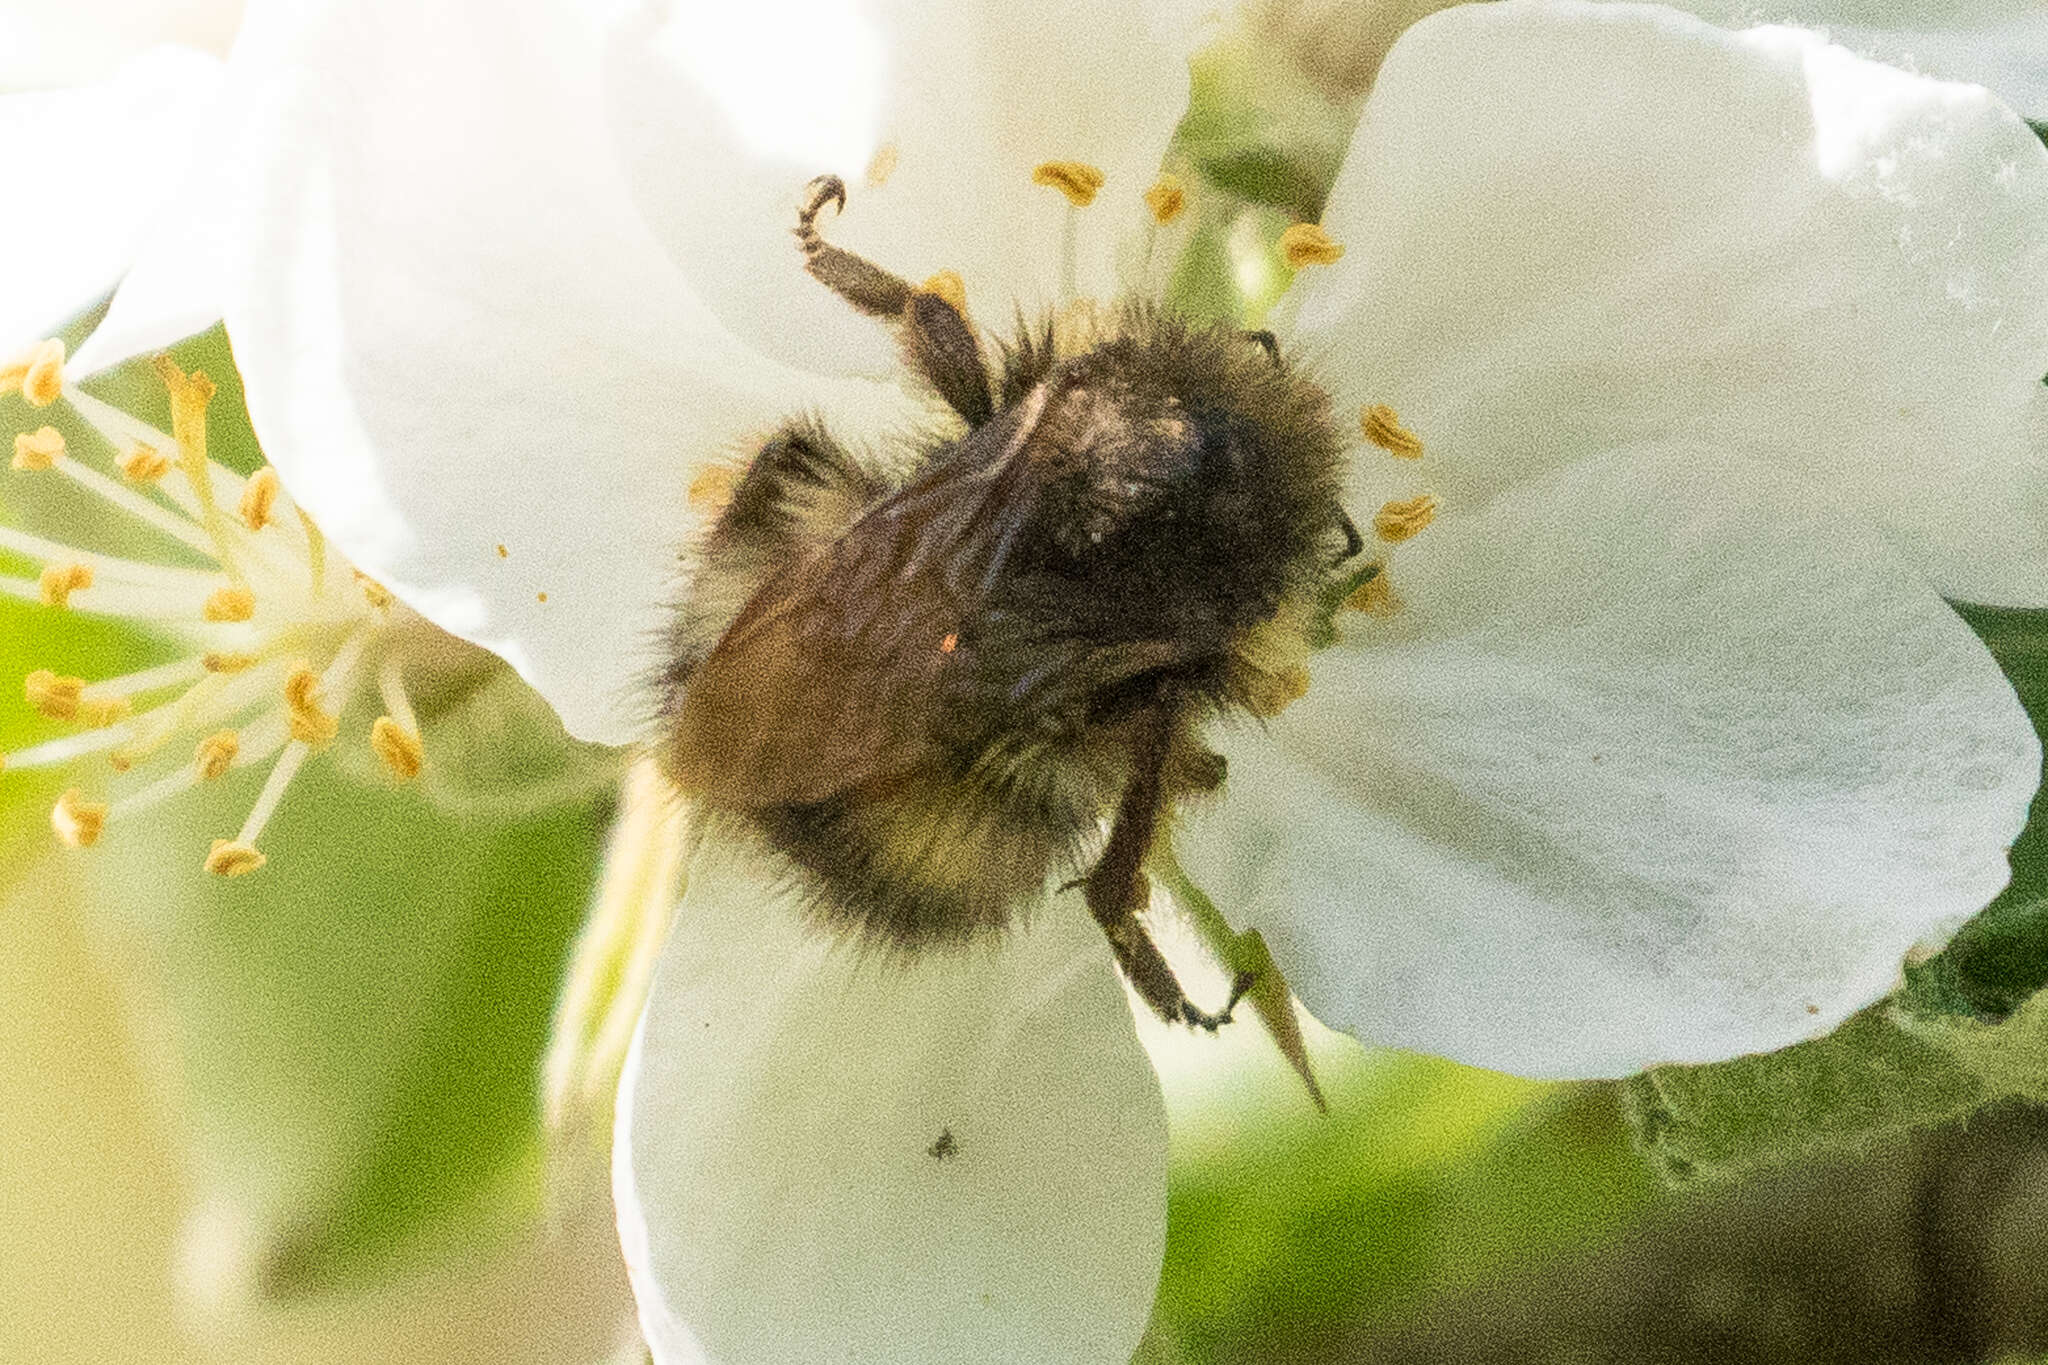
pixel 375 593
pixel 399 747
pixel 259 499
pixel 1166 199
pixel 1077 180
pixel 230 859
pixel 311 723
pixel 141 463
pixel 52 694
pixel 43 379
pixel 504 553
pixel 229 604
pixel 948 285
pixel 38 450
pixel 883 164
pixel 97 713
pixel 1375 596
pixel 1305 244
pixel 1382 426
pixel 540 597
pixel 950 643
pixel 1399 521
pixel 61 580
pixel 216 753
pixel 712 489
pixel 78 822
pixel 227 662
pixel 121 760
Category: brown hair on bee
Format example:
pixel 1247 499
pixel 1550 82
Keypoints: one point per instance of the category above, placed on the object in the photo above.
pixel 928 691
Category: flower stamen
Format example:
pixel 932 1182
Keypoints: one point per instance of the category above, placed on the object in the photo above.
pixel 59 581
pixel 1405 519
pixel 395 735
pixel 1381 425
pixel 259 499
pixel 1079 181
pixel 1167 199
pixel 1306 244
pixel 77 821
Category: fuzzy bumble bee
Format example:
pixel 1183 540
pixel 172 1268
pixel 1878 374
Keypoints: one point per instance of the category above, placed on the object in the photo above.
pixel 929 687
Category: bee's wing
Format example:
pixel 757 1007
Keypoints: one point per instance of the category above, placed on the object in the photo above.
pixel 830 677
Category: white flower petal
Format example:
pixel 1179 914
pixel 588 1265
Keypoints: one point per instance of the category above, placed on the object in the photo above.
pixel 97 165
pixel 726 111
pixel 1663 761
pixel 1572 227
pixel 455 334
pixel 825 1154
pixel 44 45
pixel 2001 44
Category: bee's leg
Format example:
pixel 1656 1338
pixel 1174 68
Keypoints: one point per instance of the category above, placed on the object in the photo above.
pixel 936 337
pixel 1117 889
pixel 1266 341
pixel 801 491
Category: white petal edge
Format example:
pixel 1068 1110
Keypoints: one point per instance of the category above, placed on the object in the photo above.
pixel 1662 761
pixel 1999 44
pixel 455 334
pixel 825 1154
pixel 100 164
pixel 724 113
pixel 1753 238
pixel 43 46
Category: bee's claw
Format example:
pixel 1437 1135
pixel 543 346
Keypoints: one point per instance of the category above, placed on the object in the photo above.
pixel 826 189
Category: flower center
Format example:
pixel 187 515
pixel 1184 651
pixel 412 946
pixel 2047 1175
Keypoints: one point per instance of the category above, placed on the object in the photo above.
pixel 279 636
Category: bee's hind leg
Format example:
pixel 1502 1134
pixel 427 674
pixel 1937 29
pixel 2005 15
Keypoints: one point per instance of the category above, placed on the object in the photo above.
pixel 1117 889
pixel 936 338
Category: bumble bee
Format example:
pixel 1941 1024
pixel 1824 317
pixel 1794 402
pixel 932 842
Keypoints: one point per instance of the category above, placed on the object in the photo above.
pixel 929 690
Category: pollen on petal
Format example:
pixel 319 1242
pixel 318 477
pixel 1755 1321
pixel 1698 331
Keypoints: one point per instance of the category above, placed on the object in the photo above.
pixel 230 604
pixel 59 581
pixel 227 662
pixel 142 463
pixel 882 164
pixel 1077 180
pixel 231 859
pixel 399 748
pixel 1382 426
pixel 1404 520
pixel 216 754
pixel 77 821
pixel 1167 199
pixel 948 285
pixel 1306 244
pixel 52 694
pixel 311 723
pixel 38 450
pixel 259 499
pixel 43 378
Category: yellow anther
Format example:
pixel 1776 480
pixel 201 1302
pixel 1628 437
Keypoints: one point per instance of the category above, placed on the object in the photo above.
pixel 1399 521
pixel 39 449
pixel 216 753
pixel 948 285
pixel 259 498
pixel 1382 426
pixel 141 463
pixel 61 580
pixel 1077 180
pixel 400 748
pixel 883 164
pixel 42 379
pixel 1375 596
pixel 229 604
pixel 712 489
pixel 1305 244
pixel 1276 691
pixel 97 713
pixel 52 694
pixel 78 822
pixel 230 859
pixel 311 723
pixel 227 662
pixel 375 593
pixel 1167 199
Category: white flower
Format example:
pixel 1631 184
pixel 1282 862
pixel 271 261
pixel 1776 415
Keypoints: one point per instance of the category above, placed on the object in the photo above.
pixel 1726 350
